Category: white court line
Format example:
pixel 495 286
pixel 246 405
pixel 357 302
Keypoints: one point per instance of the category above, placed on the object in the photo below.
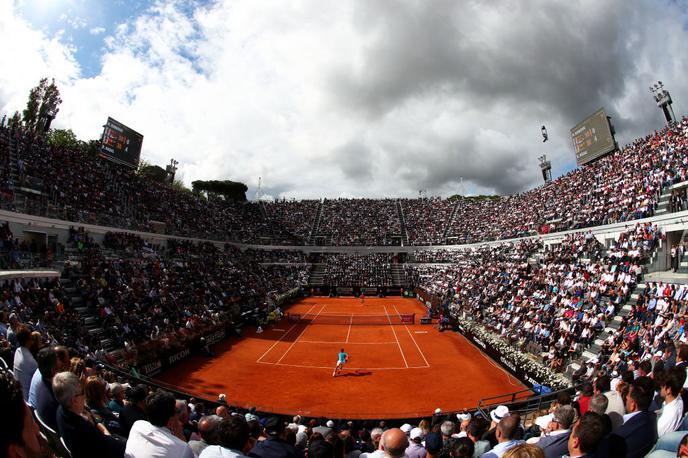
pixel 351 319
pixel 280 339
pixel 414 340
pixel 350 343
pixel 346 367
pixel 395 337
pixel 297 337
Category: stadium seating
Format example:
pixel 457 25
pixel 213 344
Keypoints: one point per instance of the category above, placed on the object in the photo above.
pixel 127 299
pixel 77 185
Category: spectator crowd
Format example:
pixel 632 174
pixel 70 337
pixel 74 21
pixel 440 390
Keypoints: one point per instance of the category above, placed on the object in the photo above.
pixel 622 186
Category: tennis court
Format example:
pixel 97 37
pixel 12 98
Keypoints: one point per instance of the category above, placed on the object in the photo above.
pixel 397 367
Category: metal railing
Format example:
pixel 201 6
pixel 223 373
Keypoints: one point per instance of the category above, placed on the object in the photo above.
pixel 523 401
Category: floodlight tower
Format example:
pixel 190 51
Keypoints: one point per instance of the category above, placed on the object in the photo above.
pixel 171 170
pixel 546 168
pixel 663 99
pixel 259 192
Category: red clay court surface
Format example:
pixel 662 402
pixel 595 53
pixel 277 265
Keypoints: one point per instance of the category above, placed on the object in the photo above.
pixel 394 371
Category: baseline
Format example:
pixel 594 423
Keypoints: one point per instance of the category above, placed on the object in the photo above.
pixel 347 367
pixel 347 342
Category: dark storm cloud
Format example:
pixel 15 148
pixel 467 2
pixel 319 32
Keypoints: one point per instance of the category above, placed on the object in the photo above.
pixel 493 168
pixel 354 160
pixel 520 63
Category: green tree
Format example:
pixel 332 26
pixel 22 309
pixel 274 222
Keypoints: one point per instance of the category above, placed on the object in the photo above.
pixel 65 139
pixel 15 121
pixel 153 172
pixel 42 107
pixel 178 185
pixel 229 190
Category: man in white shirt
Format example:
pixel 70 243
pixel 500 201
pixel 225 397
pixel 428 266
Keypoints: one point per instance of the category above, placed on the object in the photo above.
pixel 155 438
pixel 671 414
pixel 24 363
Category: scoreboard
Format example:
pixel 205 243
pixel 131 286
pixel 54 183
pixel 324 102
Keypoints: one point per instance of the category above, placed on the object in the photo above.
pixel 592 137
pixel 120 143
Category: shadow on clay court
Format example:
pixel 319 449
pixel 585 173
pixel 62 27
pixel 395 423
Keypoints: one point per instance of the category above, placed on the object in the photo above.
pixel 354 373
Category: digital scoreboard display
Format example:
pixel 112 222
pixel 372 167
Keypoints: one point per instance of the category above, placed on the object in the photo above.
pixel 592 137
pixel 120 143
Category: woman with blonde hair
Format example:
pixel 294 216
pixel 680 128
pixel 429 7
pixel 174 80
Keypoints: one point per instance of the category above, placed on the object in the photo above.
pixel 524 450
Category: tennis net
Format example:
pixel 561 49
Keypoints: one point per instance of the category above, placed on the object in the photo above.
pixel 330 318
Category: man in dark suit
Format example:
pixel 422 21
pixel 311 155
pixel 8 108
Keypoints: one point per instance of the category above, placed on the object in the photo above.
pixel 555 443
pixel 133 411
pixel 275 446
pixel 639 429
pixel 586 435
pixel 83 438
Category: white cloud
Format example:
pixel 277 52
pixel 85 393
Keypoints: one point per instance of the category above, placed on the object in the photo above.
pixel 96 30
pixel 29 55
pixel 363 98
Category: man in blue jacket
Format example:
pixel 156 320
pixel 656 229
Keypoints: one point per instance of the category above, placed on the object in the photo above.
pixel 639 429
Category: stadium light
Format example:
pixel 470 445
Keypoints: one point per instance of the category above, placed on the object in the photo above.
pixel 663 99
pixel 171 170
pixel 546 168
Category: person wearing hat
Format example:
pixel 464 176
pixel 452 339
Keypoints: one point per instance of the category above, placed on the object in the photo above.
pixel 496 415
pixel 406 428
pixel 275 446
pixel 464 420
pixel 416 448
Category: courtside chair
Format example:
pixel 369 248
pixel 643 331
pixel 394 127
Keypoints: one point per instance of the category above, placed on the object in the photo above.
pixel 54 440
pixel 65 447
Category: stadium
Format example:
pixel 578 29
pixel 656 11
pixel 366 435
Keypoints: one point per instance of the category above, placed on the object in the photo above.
pixel 309 316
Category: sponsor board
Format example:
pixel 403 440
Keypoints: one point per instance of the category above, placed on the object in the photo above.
pixel 151 369
pixel 175 358
pixel 215 337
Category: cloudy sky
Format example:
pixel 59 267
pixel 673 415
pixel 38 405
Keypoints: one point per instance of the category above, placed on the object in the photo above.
pixel 350 98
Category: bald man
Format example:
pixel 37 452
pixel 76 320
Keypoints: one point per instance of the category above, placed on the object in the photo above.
pixel 208 429
pixel 507 430
pixel 393 444
pixel 222 412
